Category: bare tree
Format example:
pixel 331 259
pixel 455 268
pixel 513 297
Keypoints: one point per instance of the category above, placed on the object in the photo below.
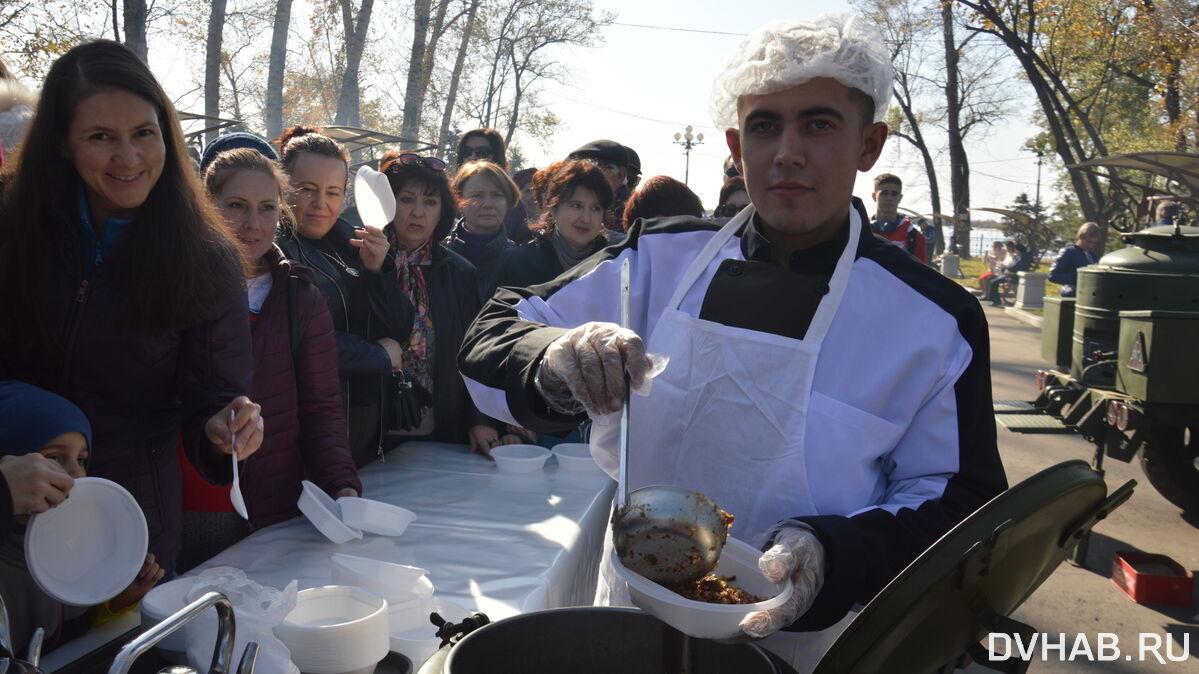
pixel 959 163
pixel 212 64
pixel 451 98
pixel 275 71
pixel 136 15
pixel 413 98
pixel 349 99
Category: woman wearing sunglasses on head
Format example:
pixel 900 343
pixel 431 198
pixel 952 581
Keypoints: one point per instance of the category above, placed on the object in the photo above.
pixel 442 286
pixel 371 316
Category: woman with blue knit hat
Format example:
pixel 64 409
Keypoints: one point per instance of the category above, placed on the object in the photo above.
pixel 38 423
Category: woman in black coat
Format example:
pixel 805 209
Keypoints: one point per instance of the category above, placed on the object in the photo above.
pixel 371 317
pixel 442 287
pixel 574 197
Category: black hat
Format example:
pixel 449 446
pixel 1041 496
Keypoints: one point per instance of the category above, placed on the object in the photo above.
pixel 604 150
pixel 634 161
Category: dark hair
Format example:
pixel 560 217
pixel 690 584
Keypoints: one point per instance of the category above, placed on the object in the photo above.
pixel 491 171
pixel 730 187
pixel 298 139
pixel 558 181
pixel 5 73
pixel 882 178
pixel 493 138
pixel 435 182
pixel 169 263
pixel 661 196
pixel 865 105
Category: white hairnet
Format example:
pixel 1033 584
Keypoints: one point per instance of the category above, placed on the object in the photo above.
pixel 787 53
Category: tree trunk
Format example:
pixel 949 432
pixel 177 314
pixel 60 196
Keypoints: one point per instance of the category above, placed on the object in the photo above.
pixel 930 169
pixel 135 27
pixel 959 167
pixel 413 100
pixel 276 69
pixel 452 94
pixel 212 65
pixel 348 100
pixel 430 57
pixel 116 21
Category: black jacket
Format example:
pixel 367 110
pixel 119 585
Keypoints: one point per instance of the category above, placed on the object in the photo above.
pixel 453 304
pixel 364 309
pixel 488 265
pixel 535 262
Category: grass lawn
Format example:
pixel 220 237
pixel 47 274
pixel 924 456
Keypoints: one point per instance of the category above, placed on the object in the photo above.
pixel 973 268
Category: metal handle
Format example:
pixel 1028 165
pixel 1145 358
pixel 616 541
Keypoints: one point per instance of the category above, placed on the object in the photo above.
pixel 624 403
pixel 249 658
pixel 222 654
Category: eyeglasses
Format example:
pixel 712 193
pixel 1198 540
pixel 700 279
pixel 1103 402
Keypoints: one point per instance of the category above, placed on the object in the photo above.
pixel 481 152
pixel 432 163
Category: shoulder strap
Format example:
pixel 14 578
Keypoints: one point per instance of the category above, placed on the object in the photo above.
pixel 293 315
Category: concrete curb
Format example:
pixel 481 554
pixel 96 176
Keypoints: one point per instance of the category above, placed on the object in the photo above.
pixel 1023 316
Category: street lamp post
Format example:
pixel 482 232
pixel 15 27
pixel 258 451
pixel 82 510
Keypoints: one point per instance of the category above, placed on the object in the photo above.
pixel 688 140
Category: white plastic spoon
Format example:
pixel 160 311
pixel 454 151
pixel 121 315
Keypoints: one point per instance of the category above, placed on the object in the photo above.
pixel 239 503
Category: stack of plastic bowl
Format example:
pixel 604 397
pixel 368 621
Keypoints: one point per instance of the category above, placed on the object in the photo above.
pixel 325 514
pixel 336 629
pixel 701 619
pixel 413 636
pixel 396 583
pixel 519 458
pixel 374 517
pixel 575 457
pixel 161 603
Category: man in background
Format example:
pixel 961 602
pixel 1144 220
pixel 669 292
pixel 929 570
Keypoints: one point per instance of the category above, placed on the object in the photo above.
pixel 889 224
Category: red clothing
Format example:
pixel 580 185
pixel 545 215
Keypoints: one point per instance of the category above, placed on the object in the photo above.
pixel 905 235
pixel 303 419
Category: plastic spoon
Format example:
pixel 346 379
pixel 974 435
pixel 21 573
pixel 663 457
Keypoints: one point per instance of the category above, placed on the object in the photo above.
pixel 666 534
pixel 239 503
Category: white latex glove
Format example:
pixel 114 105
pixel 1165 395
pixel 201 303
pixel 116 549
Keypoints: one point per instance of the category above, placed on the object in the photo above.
pixel 588 364
pixel 796 554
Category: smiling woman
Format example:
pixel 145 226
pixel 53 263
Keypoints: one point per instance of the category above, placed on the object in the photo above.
pixel 371 318
pixel 120 290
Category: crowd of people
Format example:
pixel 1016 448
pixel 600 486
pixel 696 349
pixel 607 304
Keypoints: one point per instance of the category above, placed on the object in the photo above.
pixel 166 318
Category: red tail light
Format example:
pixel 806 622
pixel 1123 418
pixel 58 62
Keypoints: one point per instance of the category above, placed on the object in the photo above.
pixel 1042 378
pixel 1118 414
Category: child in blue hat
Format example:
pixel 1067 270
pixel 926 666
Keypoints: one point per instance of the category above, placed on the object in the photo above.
pixel 44 438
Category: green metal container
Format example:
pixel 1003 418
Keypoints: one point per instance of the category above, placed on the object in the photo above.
pixel 1057 331
pixel 1158 271
pixel 1157 362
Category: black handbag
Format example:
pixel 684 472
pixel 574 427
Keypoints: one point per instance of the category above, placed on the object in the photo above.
pixel 411 399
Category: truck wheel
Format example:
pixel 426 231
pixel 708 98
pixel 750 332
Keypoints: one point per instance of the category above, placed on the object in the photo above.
pixel 1169 461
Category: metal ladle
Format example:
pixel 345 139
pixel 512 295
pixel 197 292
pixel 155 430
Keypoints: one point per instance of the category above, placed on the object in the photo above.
pixel 666 534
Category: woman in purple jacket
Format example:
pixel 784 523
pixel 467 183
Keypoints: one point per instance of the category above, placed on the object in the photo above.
pixel 120 290
pixel 295 369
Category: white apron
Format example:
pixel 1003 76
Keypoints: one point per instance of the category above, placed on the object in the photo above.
pixel 727 418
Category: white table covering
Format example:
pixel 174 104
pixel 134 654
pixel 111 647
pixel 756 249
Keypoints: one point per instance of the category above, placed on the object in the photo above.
pixel 494 542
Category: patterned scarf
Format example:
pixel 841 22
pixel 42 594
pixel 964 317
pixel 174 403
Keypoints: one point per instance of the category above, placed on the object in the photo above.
pixel 410 272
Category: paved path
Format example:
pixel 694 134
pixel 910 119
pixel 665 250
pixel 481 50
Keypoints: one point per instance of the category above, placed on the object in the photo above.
pixel 1084 600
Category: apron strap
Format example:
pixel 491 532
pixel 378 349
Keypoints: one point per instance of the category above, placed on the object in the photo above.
pixel 706 254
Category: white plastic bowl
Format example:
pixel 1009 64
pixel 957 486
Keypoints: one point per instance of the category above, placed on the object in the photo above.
pixel 701 619
pixel 519 458
pixel 336 629
pixel 90 547
pixel 575 457
pixel 375 517
pixel 325 514
pixel 159 604
pixel 412 635
pixel 396 583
